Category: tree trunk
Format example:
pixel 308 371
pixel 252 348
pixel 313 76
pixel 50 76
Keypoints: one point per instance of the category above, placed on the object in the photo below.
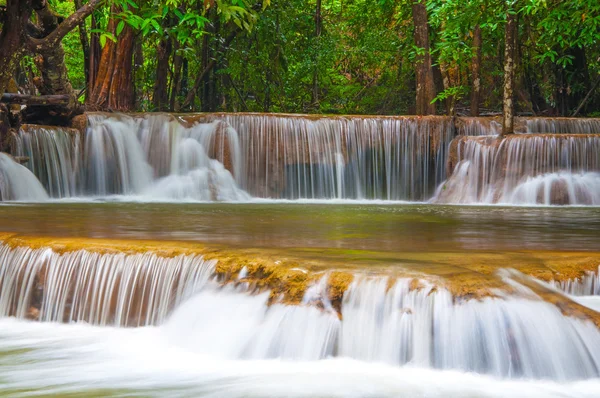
pixel 94 61
pixel 113 87
pixel 176 83
pixel 12 38
pixel 508 119
pixel 205 71
pixel 476 72
pixel 424 73
pixel 160 98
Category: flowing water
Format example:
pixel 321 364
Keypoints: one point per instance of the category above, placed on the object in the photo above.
pixel 559 169
pixel 18 183
pixel 230 157
pixel 101 295
pixel 121 323
pixel 241 157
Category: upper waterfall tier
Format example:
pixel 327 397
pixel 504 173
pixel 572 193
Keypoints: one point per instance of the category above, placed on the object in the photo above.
pixel 234 157
pixel 212 156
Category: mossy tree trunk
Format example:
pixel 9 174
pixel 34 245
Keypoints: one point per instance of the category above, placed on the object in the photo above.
pixel 41 37
pixel 476 72
pixel 12 39
pixel 508 116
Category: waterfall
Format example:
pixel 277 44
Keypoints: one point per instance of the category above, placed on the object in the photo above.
pixel 587 285
pixel 54 156
pixel 269 156
pixel 234 157
pixel 380 319
pixel 18 183
pixel 530 169
pixel 389 158
pixel 478 126
pixel 563 125
pixel 103 289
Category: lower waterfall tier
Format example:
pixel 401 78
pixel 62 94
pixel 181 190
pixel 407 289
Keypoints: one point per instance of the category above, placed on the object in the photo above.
pixel 247 309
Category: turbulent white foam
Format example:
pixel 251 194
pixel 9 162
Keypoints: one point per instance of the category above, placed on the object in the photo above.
pixel 574 188
pixel 197 177
pixel 18 183
pixel 69 359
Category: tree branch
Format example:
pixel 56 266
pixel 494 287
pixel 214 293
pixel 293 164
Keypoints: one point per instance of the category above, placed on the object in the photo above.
pixel 23 99
pixel 587 97
pixel 208 68
pixel 54 38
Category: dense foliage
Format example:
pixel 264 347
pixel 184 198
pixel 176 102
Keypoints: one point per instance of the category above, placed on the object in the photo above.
pixel 343 56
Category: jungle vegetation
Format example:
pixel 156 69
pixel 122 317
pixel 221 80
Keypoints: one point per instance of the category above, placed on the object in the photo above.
pixel 472 57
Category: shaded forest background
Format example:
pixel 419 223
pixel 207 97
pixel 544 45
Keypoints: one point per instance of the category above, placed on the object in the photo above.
pixel 323 56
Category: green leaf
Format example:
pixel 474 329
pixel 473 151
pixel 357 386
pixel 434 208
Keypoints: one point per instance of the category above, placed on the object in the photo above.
pixel 120 27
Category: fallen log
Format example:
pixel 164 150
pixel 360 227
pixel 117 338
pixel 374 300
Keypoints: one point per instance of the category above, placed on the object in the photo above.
pixel 37 100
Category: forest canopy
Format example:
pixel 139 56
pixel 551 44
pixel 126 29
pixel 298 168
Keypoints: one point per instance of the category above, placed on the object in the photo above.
pixel 306 56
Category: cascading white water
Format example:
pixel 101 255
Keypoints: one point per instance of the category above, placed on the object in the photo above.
pixel 587 285
pixel 18 183
pixel 289 157
pixel 390 158
pixel 513 336
pixel 563 125
pixel 114 161
pixel 196 176
pixel 292 157
pixel 478 126
pixel 156 158
pixel 103 289
pixel 54 156
pixel 558 169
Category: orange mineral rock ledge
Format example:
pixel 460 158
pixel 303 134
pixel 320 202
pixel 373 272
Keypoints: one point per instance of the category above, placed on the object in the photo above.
pixel 288 273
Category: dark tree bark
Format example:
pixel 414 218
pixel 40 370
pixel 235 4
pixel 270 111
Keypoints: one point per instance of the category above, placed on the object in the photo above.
pixel 94 61
pixel 24 99
pixel 476 72
pixel 424 73
pixel 51 59
pixel 176 81
pixel 43 39
pixel 510 34
pixel 160 98
pixel 12 38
